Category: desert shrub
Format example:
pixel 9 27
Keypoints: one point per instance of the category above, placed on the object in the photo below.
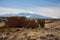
pixel 41 22
pixel 43 38
pixel 0 20
pixel 3 19
pixel 3 30
pixel 9 30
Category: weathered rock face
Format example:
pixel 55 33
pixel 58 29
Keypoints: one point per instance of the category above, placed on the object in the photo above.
pixel 20 22
pixel 32 24
pixel 13 22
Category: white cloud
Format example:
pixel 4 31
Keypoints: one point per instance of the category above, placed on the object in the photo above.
pixel 9 10
pixel 4 10
pixel 45 11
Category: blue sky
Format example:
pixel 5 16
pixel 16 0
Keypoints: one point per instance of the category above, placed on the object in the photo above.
pixel 28 3
pixel 41 7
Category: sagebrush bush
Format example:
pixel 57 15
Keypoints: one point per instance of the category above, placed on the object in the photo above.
pixel 41 22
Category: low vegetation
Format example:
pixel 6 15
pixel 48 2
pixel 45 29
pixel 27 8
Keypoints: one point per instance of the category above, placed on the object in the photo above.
pixel 44 32
pixel 41 22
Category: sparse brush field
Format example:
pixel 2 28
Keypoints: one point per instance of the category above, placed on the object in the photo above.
pixel 29 34
pixel 48 30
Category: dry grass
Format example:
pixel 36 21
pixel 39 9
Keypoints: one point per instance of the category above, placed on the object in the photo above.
pixel 50 32
pixel 30 34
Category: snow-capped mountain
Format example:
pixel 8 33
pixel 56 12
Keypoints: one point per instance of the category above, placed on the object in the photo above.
pixel 26 15
pixel 33 15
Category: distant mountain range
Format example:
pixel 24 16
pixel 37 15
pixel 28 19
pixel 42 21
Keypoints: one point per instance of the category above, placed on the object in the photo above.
pixel 29 15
